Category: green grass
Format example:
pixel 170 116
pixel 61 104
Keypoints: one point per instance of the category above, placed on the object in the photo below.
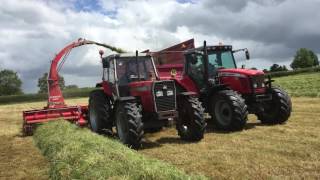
pixel 289 151
pixel 301 84
pixel 77 153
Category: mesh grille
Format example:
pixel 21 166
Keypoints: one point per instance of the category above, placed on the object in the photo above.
pixel 165 102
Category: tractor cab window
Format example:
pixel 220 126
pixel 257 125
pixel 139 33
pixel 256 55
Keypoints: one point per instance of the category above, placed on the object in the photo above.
pixel 220 59
pixel 127 70
pixel 111 76
pixel 195 68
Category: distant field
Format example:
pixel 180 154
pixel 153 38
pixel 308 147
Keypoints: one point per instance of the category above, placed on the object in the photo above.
pixel 259 152
pixel 301 84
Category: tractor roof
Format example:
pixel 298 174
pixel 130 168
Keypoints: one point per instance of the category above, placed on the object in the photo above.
pixel 213 48
pixel 128 55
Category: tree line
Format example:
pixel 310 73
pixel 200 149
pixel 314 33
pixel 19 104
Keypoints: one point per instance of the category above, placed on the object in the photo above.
pixel 303 58
pixel 10 82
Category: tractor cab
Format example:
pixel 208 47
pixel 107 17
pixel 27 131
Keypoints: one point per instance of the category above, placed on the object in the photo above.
pixel 122 71
pixel 218 65
pixel 204 64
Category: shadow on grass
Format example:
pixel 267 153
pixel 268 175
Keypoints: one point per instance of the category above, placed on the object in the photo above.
pixel 250 125
pixel 146 144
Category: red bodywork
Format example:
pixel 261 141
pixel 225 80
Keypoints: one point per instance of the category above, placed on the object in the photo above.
pixel 173 60
pixel 56 106
pixel 238 79
pixel 170 65
pixel 143 90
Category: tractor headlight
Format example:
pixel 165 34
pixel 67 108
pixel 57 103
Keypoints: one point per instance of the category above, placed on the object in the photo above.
pixel 169 93
pixel 263 85
pixel 255 85
pixel 159 93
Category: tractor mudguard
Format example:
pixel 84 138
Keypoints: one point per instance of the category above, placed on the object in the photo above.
pixel 187 94
pixel 127 98
pixel 107 88
pixel 98 85
pixel 218 87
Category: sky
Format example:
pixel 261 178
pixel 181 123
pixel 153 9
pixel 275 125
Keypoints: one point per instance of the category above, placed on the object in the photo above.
pixel 33 31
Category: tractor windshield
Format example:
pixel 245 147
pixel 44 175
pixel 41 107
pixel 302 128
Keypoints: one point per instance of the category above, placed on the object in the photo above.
pixel 127 70
pixel 221 59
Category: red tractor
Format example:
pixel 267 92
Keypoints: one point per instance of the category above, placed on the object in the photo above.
pixel 133 98
pixel 215 67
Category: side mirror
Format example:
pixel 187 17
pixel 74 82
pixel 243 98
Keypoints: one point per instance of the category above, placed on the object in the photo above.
pixel 105 63
pixel 247 54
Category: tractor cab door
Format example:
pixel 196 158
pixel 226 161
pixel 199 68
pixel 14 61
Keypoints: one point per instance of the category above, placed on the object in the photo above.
pixel 124 73
pixel 112 78
pixel 195 69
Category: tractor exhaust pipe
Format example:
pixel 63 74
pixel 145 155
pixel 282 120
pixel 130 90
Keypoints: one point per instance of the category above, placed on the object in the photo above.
pixel 138 70
pixel 206 62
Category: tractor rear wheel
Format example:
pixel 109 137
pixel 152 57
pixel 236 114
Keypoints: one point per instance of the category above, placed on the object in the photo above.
pixel 278 110
pixel 228 111
pixel 129 124
pixel 99 111
pixel 190 123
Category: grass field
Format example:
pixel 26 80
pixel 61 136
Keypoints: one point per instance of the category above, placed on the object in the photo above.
pixel 301 84
pixel 259 152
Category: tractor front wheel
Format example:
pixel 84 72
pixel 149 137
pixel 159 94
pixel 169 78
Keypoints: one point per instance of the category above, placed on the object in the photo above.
pixel 228 111
pixel 129 124
pixel 278 110
pixel 190 123
pixel 99 111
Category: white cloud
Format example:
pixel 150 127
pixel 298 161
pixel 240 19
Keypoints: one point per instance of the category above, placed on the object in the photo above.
pixel 32 31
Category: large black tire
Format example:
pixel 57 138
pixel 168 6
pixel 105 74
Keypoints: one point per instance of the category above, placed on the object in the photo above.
pixel 278 110
pixel 190 123
pixel 99 111
pixel 129 124
pixel 228 111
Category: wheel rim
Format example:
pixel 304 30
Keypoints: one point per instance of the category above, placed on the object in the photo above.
pixel 93 119
pixel 223 113
pixel 185 120
pixel 121 126
pixel 184 128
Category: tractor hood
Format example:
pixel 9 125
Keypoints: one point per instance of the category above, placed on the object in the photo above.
pixel 247 72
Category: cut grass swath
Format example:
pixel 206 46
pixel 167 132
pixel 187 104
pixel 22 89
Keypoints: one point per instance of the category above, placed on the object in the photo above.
pixel 76 153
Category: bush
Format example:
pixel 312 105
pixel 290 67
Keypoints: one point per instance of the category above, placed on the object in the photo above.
pixel 77 153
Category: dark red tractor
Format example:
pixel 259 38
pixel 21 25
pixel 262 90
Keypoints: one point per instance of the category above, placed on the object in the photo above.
pixel 133 99
pixel 215 67
pixel 225 106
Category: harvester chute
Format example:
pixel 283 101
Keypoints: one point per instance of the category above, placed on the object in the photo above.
pixel 56 107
